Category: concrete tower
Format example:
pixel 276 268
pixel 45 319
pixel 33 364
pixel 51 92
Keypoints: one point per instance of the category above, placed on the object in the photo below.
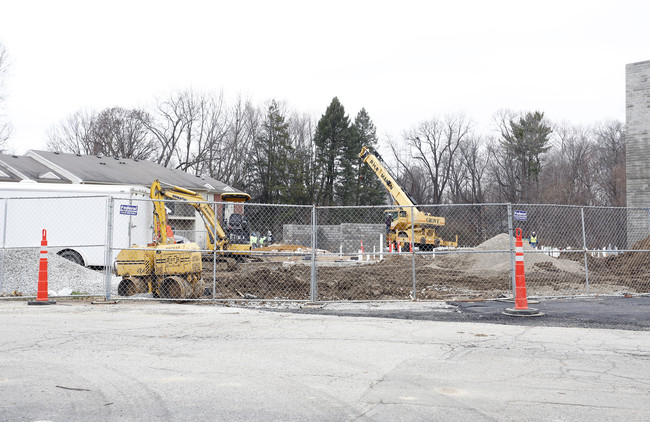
pixel 637 149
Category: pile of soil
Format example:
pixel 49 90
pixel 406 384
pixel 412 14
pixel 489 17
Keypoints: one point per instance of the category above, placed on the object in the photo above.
pixel 486 258
pixel 629 269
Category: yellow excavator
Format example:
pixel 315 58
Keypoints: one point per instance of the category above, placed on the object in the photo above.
pixel 235 242
pixel 407 219
pixel 171 270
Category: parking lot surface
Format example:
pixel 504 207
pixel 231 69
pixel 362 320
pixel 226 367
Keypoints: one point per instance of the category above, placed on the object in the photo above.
pixel 340 362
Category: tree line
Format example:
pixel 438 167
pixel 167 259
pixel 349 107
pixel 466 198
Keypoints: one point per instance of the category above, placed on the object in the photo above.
pixel 282 156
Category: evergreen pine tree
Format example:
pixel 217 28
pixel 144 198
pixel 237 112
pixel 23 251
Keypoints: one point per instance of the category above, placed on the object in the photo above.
pixel 527 139
pixel 369 189
pixel 332 135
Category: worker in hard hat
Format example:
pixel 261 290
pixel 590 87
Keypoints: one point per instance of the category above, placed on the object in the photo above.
pixel 533 240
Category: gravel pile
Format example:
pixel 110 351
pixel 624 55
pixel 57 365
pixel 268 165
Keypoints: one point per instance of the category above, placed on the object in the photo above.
pixel 20 274
pixel 499 262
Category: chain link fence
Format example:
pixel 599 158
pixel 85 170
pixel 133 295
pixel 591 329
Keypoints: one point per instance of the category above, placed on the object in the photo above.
pixel 106 246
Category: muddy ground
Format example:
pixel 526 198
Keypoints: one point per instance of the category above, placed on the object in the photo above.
pixel 479 273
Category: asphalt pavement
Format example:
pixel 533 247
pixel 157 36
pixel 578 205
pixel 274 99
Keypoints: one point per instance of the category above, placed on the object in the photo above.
pixel 153 361
pixel 609 312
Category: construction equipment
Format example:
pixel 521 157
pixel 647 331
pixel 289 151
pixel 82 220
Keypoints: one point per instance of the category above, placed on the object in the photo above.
pixel 400 231
pixel 228 247
pixel 168 269
pixel 163 268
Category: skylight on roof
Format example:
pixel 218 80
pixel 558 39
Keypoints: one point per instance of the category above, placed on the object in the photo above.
pixel 49 175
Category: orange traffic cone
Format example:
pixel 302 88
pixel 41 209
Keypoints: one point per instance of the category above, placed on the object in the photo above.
pixel 361 245
pixel 521 302
pixel 41 296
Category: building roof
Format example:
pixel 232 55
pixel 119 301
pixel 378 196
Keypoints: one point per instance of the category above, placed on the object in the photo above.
pixel 14 168
pixel 55 167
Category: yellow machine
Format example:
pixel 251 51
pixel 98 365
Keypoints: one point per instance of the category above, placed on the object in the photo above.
pixel 236 242
pixel 172 270
pixel 163 268
pixel 424 224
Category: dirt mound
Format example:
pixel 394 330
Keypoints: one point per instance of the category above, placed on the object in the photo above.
pixel 493 256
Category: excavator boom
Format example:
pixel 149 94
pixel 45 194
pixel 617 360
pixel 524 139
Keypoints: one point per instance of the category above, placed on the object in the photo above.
pixel 220 243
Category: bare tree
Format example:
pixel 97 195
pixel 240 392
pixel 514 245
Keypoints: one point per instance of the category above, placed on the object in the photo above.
pixel 610 162
pixel 434 145
pixel 196 132
pixel 74 135
pixel 568 176
pixel 468 171
pixel 210 130
pixel 121 133
pixel 409 173
pixel 205 127
pixel 230 157
pixel 167 126
pixel 114 131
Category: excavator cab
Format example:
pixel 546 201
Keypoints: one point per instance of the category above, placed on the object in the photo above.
pixel 237 229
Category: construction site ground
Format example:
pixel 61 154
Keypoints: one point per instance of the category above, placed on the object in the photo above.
pixel 483 272
pixel 284 272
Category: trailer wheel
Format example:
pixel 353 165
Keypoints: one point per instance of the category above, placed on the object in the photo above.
pixel 72 256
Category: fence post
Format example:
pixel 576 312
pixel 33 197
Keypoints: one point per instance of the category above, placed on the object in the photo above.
pixel 214 254
pixel 314 237
pixel 512 251
pixel 415 297
pixel 584 247
pixel 109 246
pixel 4 244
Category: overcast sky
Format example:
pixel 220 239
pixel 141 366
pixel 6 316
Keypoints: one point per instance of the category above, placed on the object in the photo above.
pixel 403 61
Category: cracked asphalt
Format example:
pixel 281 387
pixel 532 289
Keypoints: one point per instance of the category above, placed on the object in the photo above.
pixel 339 362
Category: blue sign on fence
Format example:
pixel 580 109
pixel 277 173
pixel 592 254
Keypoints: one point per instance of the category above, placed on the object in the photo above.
pixel 129 209
pixel 520 215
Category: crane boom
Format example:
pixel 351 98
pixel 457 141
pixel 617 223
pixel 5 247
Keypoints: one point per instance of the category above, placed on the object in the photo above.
pixel 408 225
pixel 400 197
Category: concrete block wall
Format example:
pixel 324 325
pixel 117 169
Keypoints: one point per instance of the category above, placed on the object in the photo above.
pixel 332 237
pixel 637 94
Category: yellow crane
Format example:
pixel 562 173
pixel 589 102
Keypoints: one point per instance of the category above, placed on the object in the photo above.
pixel 407 223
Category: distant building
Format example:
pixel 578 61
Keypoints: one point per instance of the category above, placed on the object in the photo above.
pixel 53 167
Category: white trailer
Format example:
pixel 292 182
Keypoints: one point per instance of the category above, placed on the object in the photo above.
pixel 80 220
